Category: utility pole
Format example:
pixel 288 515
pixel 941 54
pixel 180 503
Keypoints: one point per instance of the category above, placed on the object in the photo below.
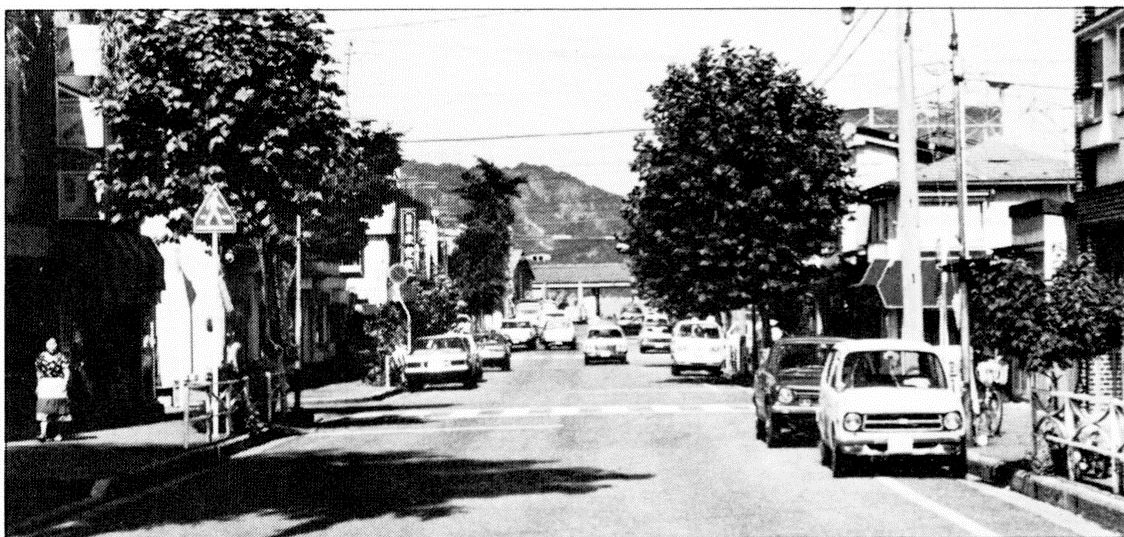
pixel 966 361
pixel 908 202
pixel 298 325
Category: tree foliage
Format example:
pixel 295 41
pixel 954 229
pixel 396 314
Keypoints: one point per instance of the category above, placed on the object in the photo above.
pixel 478 265
pixel 245 100
pixel 744 180
pixel 434 309
pixel 1078 316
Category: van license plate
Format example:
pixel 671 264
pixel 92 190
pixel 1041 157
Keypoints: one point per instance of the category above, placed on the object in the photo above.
pixel 899 445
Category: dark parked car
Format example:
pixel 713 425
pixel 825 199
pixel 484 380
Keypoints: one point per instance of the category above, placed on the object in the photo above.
pixel 630 320
pixel 786 387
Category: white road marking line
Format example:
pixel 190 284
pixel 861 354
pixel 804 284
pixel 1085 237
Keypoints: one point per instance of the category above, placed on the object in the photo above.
pixel 430 430
pixel 1056 515
pixel 965 523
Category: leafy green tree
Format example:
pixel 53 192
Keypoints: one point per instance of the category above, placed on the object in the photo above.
pixel 1009 311
pixel 478 265
pixel 244 100
pixel 433 309
pixel 744 180
pixel 1086 312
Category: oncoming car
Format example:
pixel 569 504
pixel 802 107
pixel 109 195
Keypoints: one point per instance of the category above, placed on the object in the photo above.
pixel 888 397
pixel 521 332
pixel 495 350
pixel 786 388
pixel 697 345
pixel 655 333
pixel 443 359
pixel 560 332
pixel 605 342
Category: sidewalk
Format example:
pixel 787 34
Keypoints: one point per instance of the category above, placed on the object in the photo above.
pixel 1005 462
pixel 44 477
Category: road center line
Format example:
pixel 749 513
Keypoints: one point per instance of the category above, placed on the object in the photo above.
pixel 363 432
pixel 965 523
pixel 1056 516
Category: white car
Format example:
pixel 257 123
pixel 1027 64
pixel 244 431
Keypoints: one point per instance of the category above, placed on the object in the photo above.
pixel 521 332
pixel 559 332
pixel 443 359
pixel 605 342
pixel 655 333
pixel 697 345
pixel 888 397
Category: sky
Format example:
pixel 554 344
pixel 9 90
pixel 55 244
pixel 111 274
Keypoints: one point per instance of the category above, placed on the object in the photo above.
pixel 534 78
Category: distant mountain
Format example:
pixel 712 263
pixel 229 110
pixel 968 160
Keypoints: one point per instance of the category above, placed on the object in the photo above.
pixel 556 212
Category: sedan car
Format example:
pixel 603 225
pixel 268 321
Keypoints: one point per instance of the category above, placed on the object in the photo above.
pixel 786 387
pixel 889 397
pixel 655 337
pixel 630 320
pixel 495 350
pixel 443 359
pixel 605 342
pixel 521 332
pixel 697 345
pixel 560 332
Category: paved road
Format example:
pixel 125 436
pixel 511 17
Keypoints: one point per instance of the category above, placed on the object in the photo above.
pixel 557 448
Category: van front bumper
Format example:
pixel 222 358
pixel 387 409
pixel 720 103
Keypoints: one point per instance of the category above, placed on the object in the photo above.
pixel 901 444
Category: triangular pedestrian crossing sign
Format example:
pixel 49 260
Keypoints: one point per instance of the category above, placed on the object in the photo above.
pixel 214 214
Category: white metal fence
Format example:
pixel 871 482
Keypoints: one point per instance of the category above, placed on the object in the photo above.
pixel 1088 430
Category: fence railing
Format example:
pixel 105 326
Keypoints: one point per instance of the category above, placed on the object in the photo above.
pixel 225 406
pixel 1088 429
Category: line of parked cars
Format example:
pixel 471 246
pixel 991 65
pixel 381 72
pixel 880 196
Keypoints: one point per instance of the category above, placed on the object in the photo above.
pixel 865 399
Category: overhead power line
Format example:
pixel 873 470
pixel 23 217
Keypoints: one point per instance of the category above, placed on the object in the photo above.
pixel 840 47
pixel 522 136
pixel 856 49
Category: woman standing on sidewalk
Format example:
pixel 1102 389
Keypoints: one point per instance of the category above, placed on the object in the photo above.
pixel 52 369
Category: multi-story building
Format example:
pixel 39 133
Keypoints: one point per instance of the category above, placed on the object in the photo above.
pixel 67 274
pixel 1098 210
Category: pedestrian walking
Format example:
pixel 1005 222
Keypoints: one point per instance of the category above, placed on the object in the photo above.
pixel 52 369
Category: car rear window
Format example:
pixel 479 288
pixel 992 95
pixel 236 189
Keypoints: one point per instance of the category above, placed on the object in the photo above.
pixel 699 331
pixel 558 323
pixel 605 333
pixel 893 369
pixel 458 343
pixel 803 355
pixel 516 324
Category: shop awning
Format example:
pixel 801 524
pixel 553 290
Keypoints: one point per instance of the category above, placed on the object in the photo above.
pixel 885 275
pixel 117 266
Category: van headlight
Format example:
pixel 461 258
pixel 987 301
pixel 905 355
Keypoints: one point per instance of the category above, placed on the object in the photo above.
pixel 785 396
pixel 952 421
pixel 852 422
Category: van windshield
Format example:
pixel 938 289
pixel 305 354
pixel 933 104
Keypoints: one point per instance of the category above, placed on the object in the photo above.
pixel 893 369
pixel 699 330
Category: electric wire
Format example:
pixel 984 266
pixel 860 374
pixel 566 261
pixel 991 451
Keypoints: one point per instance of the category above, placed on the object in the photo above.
pixel 856 49
pixel 839 48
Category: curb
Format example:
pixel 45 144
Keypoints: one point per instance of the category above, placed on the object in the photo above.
pixel 134 481
pixel 391 392
pixel 1092 503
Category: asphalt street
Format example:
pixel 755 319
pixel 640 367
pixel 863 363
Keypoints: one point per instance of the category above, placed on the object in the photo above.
pixel 555 447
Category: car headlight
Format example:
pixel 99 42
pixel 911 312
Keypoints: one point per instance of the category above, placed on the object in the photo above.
pixel 785 396
pixel 952 421
pixel 852 422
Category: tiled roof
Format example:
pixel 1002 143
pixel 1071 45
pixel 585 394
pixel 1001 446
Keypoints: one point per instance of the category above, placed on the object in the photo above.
pixel 997 160
pixel 556 273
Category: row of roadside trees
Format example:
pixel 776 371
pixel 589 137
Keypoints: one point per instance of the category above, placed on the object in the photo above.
pixel 246 100
pixel 744 182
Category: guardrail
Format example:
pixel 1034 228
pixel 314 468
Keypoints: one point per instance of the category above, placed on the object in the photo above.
pixel 222 400
pixel 1090 431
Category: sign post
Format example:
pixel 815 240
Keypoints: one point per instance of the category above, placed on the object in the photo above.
pixel 215 216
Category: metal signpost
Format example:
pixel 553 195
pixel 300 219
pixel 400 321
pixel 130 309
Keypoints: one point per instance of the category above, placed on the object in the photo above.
pixel 215 216
pixel 398 275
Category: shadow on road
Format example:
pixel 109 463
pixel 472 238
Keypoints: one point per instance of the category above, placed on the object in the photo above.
pixel 392 419
pixel 698 379
pixel 315 491
pixel 347 409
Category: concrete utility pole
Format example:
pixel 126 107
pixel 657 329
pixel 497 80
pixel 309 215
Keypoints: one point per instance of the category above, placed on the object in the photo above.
pixel 966 361
pixel 298 322
pixel 908 202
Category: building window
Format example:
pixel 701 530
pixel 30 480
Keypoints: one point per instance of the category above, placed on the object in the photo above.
pixel 1090 80
pixel 76 196
pixel 882 222
pixel 1087 168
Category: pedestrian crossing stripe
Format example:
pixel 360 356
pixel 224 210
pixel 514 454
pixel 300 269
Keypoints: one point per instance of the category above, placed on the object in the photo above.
pixel 552 411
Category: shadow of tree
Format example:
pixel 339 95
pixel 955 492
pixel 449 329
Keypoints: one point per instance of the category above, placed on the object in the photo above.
pixel 705 378
pixel 390 419
pixel 320 489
